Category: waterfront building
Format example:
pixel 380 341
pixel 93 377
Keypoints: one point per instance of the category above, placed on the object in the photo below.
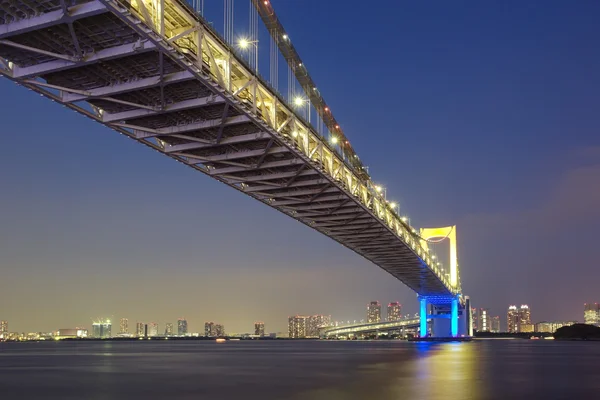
pixel 495 324
pixel 71 333
pixel 123 326
pixel 551 327
pixel 591 314
pixel 374 312
pixel 210 329
pixel 102 329
pixel 484 323
pixel 169 329
pixel 219 330
pixel 297 326
pixel 315 322
pixel 139 329
pixel 474 319
pixel 3 329
pixel 182 327
pixel 259 329
pixel 394 311
pixel 152 329
pixel 512 319
pixel 525 324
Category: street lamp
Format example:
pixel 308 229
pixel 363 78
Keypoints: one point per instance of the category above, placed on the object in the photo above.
pixel 245 45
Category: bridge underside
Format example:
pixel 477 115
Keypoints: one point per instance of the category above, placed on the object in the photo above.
pixel 99 59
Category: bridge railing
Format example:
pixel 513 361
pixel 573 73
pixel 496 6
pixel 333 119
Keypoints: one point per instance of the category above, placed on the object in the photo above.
pixel 190 37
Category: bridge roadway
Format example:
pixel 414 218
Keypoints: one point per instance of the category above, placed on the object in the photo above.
pixel 371 327
pixel 157 73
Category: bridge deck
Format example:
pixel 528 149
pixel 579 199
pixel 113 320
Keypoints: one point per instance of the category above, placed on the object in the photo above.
pixel 371 327
pixel 157 73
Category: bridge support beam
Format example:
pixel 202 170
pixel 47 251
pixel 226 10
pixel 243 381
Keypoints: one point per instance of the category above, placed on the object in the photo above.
pixel 423 317
pixel 447 315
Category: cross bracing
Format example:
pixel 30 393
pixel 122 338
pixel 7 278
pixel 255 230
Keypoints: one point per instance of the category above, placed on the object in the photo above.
pixel 156 72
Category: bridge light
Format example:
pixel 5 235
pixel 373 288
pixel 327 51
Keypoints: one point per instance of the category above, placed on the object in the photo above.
pixel 404 219
pixel 393 205
pixel 326 108
pixel 244 43
pixel 298 101
pixel 378 189
pixel 334 140
pixel 266 2
pixel 337 127
pixel 433 256
pixel 295 133
pixel 285 36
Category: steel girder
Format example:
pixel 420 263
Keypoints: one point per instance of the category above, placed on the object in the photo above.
pixel 173 85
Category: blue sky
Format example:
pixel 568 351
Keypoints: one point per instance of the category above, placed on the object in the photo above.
pixel 480 114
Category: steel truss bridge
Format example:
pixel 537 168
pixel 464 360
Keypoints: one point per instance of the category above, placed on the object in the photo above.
pixel 157 72
pixel 371 327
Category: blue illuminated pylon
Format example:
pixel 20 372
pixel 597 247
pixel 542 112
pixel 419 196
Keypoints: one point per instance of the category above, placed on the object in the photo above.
pixel 454 318
pixel 423 317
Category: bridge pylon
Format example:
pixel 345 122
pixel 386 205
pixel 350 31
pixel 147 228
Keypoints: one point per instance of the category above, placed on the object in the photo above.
pixel 443 317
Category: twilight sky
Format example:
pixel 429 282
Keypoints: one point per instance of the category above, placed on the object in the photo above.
pixel 481 114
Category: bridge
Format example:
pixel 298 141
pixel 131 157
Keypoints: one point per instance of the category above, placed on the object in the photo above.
pixel 363 328
pixel 157 72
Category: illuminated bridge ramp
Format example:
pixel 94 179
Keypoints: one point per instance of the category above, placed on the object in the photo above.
pixel 156 72
pixel 371 327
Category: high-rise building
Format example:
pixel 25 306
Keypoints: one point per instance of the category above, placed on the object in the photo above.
pixel 591 314
pixel 3 327
pixel 139 329
pixel 484 323
pixel 182 328
pixel 495 324
pixel 474 319
pixel 123 326
pixel 315 322
pixel 297 326
pixel 374 312
pixel 259 329
pixel 101 329
pixel 394 311
pixel 169 329
pixel 512 319
pixel 152 329
pixel 210 329
pixel 525 324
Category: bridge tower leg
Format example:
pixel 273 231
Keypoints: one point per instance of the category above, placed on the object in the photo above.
pixel 454 318
pixel 423 317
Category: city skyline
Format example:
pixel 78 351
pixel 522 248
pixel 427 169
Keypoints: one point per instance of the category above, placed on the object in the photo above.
pixel 79 213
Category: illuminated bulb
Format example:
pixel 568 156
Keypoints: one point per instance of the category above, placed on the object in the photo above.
pixel 393 205
pixel 404 219
pixel 378 188
pixel 326 108
pixel 295 133
pixel 285 36
pixel 244 43
pixel 300 64
pixel 298 101
pixel 334 140
pixel 266 3
pixel 337 127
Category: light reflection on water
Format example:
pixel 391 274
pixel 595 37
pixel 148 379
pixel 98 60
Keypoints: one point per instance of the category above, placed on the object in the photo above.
pixel 300 370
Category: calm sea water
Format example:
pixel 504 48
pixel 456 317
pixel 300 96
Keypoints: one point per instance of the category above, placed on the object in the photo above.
pixel 487 369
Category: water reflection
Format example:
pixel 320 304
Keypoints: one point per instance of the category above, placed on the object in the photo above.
pixel 485 370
